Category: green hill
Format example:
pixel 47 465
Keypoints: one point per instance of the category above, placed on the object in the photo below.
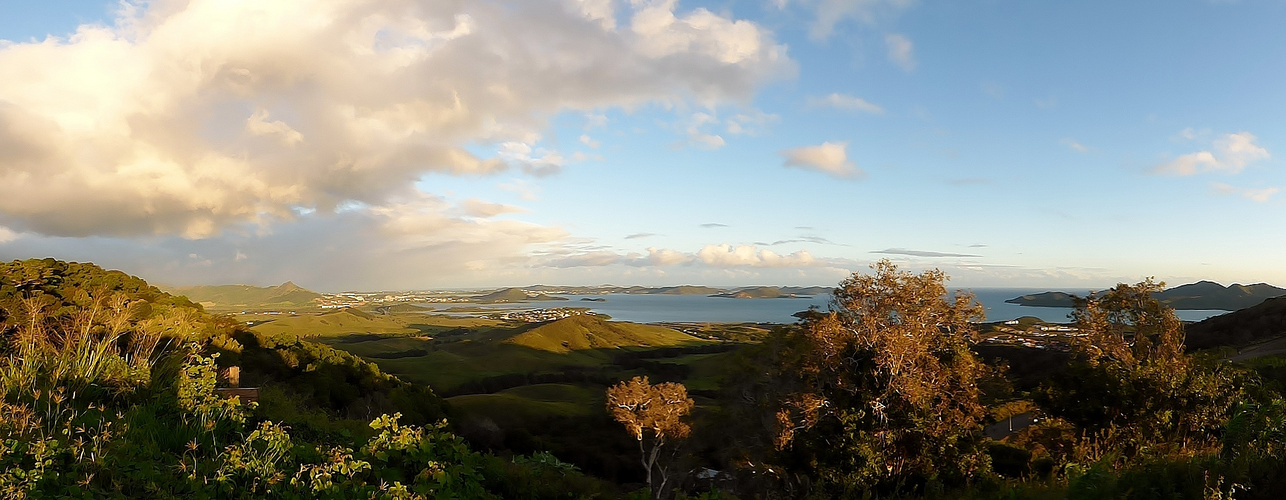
pixel 329 324
pixel 285 295
pixel 589 332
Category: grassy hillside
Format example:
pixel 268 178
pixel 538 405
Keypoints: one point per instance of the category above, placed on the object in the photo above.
pixel 513 407
pixel 334 323
pixel 589 332
pixel 226 297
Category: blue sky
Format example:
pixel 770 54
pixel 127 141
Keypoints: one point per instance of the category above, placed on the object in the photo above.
pixel 350 145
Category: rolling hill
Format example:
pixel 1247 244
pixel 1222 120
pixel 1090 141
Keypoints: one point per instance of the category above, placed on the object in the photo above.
pixel 285 295
pixel 583 332
pixel 340 322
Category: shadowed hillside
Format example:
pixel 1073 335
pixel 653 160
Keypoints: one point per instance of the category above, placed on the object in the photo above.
pixel 1264 321
pixel 1192 296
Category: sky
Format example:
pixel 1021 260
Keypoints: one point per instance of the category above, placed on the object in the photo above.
pixel 404 144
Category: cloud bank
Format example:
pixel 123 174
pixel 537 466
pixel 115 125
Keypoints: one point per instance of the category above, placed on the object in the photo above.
pixel 192 117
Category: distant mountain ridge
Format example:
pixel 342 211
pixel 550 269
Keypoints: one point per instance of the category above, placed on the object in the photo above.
pixel 1199 295
pixel 287 294
pixel 512 295
pixel 744 292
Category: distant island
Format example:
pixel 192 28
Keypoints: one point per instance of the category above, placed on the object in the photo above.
pixel 1206 295
pixel 513 295
pixel 287 295
pixel 772 292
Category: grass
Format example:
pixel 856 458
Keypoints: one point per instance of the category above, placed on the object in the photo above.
pixel 335 323
pixel 521 405
pixel 584 332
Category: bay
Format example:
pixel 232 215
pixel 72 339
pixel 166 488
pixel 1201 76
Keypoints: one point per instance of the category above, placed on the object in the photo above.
pixel 639 308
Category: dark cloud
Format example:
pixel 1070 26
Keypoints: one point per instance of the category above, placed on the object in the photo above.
pixel 711 225
pixel 636 236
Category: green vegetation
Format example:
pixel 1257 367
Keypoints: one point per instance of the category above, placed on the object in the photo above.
pixel 109 391
pixel 113 388
pixel 229 297
pixel 334 323
pixel 585 331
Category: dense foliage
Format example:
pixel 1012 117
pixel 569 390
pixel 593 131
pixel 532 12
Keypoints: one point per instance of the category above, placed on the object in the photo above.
pixel 111 389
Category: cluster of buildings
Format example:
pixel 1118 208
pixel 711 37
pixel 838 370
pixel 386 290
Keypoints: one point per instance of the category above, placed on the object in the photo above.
pixel 355 299
pixel 1048 337
pixel 540 315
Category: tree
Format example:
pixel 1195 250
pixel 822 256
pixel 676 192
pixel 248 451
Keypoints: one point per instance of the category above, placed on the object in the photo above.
pixel 653 414
pixel 1129 328
pixel 1130 379
pixel 884 392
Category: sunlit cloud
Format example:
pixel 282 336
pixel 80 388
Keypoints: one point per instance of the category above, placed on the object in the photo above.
pixel 1258 195
pixel 1229 153
pixel 194 117
pixel 474 207
pixel 830 158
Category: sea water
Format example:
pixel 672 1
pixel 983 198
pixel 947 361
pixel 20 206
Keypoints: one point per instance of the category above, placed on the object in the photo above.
pixel 657 308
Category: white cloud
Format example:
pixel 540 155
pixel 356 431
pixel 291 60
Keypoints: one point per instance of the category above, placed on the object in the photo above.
pixel 1258 195
pixel 698 137
pixel 829 13
pixel 752 122
pixel 722 256
pixel 188 117
pixel 1230 153
pixel 846 102
pixel 474 207
pixel 666 257
pixel 7 235
pixel 532 160
pixel 749 256
pixel 829 157
pixel 1075 146
pixel 901 51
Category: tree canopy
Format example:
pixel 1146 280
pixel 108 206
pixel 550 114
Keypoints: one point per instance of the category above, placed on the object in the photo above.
pixel 884 386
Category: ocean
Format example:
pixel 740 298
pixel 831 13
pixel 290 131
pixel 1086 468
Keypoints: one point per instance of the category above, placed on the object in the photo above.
pixel 703 309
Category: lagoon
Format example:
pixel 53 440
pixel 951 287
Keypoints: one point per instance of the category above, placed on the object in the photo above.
pixel 703 309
